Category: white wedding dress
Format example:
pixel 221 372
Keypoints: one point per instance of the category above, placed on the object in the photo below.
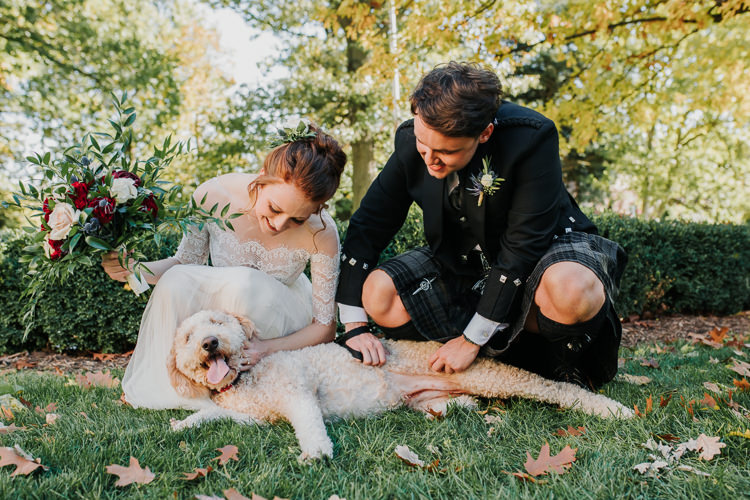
pixel 264 284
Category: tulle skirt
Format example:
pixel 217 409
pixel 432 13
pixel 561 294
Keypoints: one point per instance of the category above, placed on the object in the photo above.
pixel 275 308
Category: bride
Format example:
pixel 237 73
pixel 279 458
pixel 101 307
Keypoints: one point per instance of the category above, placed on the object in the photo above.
pixel 256 270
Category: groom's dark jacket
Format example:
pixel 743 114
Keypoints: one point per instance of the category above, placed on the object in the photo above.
pixel 513 227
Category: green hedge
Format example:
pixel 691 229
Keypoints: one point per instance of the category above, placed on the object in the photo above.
pixel 673 266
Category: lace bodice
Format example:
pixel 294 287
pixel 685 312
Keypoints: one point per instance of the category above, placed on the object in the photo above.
pixel 282 262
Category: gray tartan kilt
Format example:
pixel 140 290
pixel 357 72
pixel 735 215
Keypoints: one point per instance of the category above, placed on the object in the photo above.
pixel 441 304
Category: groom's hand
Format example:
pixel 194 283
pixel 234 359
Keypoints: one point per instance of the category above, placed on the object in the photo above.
pixel 373 352
pixel 456 355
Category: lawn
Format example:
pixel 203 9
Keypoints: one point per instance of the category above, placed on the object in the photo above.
pixel 475 458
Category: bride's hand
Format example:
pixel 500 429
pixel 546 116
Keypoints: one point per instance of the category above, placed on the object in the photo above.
pixel 253 351
pixel 112 267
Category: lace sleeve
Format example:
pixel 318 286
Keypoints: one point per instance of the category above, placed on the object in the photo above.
pixel 324 271
pixel 194 247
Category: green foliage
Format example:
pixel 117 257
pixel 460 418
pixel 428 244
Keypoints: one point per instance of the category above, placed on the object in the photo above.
pixel 86 312
pixel 681 267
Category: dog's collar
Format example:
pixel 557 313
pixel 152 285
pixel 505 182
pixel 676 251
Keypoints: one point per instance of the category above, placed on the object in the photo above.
pixel 229 386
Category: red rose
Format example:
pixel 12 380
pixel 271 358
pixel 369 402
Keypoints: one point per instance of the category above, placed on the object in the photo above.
pixel 149 205
pixel 46 210
pixel 55 251
pixel 80 195
pixel 130 175
pixel 104 209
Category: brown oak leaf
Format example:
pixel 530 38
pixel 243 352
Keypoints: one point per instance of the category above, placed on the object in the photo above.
pixel 571 431
pixel 718 334
pixel 742 385
pixel 133 473
pixel 228 452
pixel 24 463
pixel 664 401
pixel 100 356
pixel 7 429
pixel 97 379
pixel 709 402
pixel 189 476
pixel 709 446
pixel 546 463
pixel 741 367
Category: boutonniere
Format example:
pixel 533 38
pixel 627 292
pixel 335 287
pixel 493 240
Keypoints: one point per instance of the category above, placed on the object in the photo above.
pixel 485 183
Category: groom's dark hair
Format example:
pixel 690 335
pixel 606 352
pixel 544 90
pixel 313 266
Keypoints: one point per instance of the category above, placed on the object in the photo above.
pixel 457 99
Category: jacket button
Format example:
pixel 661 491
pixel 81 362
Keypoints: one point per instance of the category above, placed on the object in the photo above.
pixel 462 218
pixel 464 258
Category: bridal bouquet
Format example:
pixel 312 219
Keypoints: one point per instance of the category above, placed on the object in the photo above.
pixel 97 198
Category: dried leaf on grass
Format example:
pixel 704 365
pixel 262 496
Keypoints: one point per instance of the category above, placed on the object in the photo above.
pixel 745 434
pixel 133 473
pixel 650 363
pixel 712 387
pixel 25 463
pixel 51 418
pixel 189 476
pixel 232 494
pixel 571 431
pixel 649 407
pixel 634 379
pixel 228 452
pixel 97 379
pixel 47 409
pixel 740 367
pixel 708 446
pixel 7 429
pixel 545 463
pixel 404 453
pixel 709 402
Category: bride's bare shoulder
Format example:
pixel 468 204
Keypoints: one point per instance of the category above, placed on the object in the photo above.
pixel 324 233
pixel 227 188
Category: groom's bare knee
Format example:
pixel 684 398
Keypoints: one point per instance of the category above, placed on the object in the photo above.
pixel 381 301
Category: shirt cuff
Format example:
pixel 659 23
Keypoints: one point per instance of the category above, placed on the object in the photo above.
pixel 352 314
pixel 480 330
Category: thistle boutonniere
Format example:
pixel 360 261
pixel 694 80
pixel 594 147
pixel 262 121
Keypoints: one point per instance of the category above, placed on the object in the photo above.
pixel 485 183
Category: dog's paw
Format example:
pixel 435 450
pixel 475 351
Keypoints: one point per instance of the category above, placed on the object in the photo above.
pixel 612 409
pixel 464 401
pixel 178 425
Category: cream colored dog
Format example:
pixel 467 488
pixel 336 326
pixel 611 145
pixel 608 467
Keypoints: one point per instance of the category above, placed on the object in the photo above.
pixel 312 384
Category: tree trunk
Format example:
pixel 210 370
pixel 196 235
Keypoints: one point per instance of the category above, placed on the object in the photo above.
pixel 363 169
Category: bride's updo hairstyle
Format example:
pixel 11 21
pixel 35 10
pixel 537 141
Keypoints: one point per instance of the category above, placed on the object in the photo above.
pixel 313 163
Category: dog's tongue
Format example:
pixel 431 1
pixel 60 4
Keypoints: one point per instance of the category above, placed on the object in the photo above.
pixel 217 370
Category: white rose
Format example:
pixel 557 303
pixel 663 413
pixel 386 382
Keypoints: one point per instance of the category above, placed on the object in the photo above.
pixel 61 220
pixel 123 189
pixel 486 180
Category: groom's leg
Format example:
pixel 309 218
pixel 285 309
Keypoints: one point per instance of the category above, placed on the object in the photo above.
pixel 382 302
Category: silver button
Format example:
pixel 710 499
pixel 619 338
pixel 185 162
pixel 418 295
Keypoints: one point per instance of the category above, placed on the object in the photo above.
pixel 568 229
pixel 503 278
pixel 571 219
pixel 464 258
pixel 517 282
pixel 365 266
pixel 352 261
pixel 462 218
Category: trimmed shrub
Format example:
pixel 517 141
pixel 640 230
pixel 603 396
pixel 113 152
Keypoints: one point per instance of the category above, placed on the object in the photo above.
pixel 673 267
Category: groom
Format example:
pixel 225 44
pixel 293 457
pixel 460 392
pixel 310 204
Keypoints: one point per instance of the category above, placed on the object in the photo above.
pixel 513 269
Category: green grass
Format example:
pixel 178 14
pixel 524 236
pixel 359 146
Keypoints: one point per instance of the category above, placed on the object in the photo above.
pixel 472 464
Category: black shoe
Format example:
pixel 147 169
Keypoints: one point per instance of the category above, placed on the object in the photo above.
pixel 565 358
pixel 571 375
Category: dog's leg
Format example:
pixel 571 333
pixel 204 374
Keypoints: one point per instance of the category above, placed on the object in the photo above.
pixel 305 415
pixel 209 414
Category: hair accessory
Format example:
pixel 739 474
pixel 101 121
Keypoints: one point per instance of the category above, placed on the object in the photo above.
pixel 299 133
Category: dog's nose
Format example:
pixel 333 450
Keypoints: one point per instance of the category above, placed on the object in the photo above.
pixel 210 344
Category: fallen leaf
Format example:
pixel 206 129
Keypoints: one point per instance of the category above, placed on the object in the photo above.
pixel 647 410
pixel 7 429
pixel 100 356
pixel 712 387
pixel 634 379
pixel 11 404
pixel 131 474
pixel 51 418
pixel 713 360
pixel 404 453
pixel 20 365
pixel 229 452
pixel 651 362
pixel 571 431
pixel 742 385
pixel 709 402
pixel 7 413
pixel 708 446
pixel 670 438
pixel 47 409
pixel 97 379
pixel 740 367
pixel 718 334
pixel 493 419
pixel 745 434
pixel 688 468
pixel 546 463
pixel 24 463
pixel 524 476
pixel 650 467
pixel 664 401
pixel 233 494
pixel 207 497
pixel 123 400
pixel 189 476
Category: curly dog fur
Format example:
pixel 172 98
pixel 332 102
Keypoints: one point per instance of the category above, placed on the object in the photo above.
pixel 321 382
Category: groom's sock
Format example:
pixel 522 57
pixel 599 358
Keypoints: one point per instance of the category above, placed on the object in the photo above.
pixel 407 331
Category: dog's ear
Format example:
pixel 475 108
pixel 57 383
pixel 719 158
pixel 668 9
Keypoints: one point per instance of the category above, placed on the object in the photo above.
pixel 247 325
pixel 183 385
